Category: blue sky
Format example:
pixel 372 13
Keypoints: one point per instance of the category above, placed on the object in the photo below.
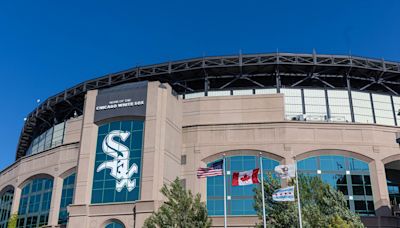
pixel 47 46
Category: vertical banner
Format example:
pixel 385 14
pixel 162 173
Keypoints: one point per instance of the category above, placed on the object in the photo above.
pixel 118 162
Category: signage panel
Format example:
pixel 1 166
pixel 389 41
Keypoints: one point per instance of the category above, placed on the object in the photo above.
pixel 123 100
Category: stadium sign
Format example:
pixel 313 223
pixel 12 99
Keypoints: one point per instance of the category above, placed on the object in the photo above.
pixel 121 101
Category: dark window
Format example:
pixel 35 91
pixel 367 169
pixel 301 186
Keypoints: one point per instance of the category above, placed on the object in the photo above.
pixel 66 198
pixel 5 207
pixel 183 160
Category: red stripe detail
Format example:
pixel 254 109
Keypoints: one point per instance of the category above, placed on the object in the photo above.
pixel 254 177
pixel 235 179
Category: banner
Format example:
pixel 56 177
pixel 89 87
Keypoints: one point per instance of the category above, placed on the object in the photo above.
pixel 284 194
pixel 245 177
pixel 285 171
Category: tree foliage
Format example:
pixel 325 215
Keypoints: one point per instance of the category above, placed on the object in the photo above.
pixel 12 221
pixel 322 206
pixel 181 209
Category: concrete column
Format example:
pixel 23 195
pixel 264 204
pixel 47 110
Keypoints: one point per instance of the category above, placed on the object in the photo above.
pixel 84 178
pixel 55 201
pixel 16 199
pixel 379 188
pixel 86 153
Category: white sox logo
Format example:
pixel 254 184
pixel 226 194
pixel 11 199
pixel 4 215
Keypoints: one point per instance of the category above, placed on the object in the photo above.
pixel 119 166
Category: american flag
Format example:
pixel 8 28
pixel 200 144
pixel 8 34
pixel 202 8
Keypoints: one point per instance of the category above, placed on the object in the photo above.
pixel 214 170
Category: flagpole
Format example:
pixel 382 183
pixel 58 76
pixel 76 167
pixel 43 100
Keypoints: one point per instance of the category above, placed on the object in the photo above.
pixel 298 195
pixel 224 169
pixel 262 191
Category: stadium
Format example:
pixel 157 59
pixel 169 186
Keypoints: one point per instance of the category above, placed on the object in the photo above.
pixel 336 115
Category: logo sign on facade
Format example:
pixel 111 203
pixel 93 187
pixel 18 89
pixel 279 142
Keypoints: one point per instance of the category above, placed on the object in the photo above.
pixel 119 166
pixel 118 162
pixel 123 100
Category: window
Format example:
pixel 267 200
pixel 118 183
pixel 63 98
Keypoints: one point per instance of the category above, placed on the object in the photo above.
pixel 106 187
pixel 219 93
pixel 362 107
pixel 183 160
pixel 35 202
pixel 383 109
pixel 66 198
pixel 315 103
pixel 393 184
pixel 348 175
pixel 339 105
pixel 241 197
pixel 5 207
pixel 243 92
pixel 51 138
pixel 266 91
pixel 115 225
pixel 293 102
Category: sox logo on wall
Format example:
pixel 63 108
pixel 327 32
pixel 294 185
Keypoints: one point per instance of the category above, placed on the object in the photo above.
pixel 119 167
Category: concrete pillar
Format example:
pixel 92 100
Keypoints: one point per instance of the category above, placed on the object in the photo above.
pixel 379 188
pixel 86 153
pixel 84 178
pixel 55 201
pixel 16 199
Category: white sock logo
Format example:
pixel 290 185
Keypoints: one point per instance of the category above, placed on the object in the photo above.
pixel 119 166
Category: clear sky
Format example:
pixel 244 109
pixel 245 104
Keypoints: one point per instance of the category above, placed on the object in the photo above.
pixel 48 46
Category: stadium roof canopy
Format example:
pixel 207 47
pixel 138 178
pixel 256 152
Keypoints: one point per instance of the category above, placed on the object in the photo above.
pixel 278 70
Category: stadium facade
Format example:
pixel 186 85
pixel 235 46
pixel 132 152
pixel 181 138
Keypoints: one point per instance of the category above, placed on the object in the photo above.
pixel 97 154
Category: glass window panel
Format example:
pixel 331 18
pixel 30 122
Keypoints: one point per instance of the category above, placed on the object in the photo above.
pixel 334 179
pixel 362 107
pixel 266 91
pixel 358 190
pixel 48 137
pixel 357 165
pixel 396 103
pixel 357 179
pixel 58 134
pixel 383 109
pixel 315 103
pixel 308 164
pixel 115 225
pixel 243 92
pixel 339 105
pixel 219 93
pixel 332 163
pixel 293 102
pixel 360 205
pixel 194 95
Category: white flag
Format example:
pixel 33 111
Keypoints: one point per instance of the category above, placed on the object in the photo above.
pixel 285 171
pixel 284 194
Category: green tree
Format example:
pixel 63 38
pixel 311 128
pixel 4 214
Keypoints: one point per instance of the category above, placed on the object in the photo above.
pixel 322 206
pixel 181 209
pixel 12 221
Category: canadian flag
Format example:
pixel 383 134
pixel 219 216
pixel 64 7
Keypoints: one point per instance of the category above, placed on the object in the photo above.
pixel 245 177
